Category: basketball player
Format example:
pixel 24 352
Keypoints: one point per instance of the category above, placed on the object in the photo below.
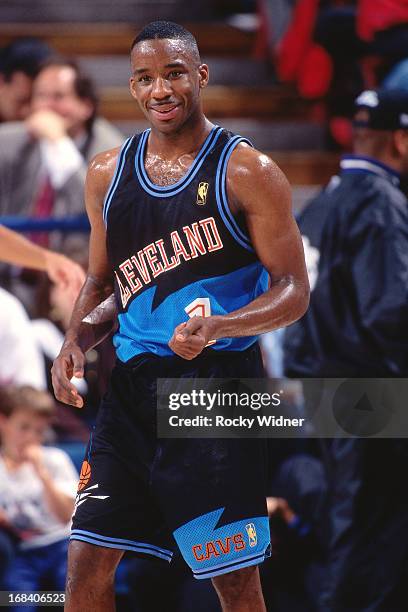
pixel 186 219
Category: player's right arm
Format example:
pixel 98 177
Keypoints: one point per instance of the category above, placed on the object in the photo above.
pixel 97 287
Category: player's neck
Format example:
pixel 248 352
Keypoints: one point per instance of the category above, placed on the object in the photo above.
pixel 187 140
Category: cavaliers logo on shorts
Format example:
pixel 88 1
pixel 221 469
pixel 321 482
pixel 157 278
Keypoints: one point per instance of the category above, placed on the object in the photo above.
pixel 210 550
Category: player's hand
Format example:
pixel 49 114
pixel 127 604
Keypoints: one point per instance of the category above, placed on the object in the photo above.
pixel 190 338
pixel 46 124
pixel 70 362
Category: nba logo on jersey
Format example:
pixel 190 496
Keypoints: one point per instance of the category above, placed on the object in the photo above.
pixel 251 531
pixel 202 194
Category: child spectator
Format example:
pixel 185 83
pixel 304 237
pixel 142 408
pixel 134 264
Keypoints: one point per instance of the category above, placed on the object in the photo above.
pixel 37 491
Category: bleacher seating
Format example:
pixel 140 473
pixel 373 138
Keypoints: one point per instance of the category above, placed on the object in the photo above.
pixel 242 91
pixel 261 102
pixel 115 38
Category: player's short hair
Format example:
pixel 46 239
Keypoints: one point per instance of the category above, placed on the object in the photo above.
pixel 167 29
pixel 35 401
pixel 24 55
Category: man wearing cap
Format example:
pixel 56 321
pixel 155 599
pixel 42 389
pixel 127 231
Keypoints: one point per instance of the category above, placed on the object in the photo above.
pixel 355 235
pixel 20 62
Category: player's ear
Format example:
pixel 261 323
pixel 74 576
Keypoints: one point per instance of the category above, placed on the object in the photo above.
pixel 203 75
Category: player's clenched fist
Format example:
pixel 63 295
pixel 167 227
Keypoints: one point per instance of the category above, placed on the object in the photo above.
pixel 190 338
pixel 70 362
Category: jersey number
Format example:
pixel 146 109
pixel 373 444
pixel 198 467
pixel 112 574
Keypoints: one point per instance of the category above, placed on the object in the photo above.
pixel 200 307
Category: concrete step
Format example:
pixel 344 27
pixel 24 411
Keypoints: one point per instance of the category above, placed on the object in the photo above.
pixel 268 103
pixel 92 11
pixel 114 70
pixel 115 38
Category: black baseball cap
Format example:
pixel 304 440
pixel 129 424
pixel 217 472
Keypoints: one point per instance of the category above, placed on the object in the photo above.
pixel 23 55
pixel 386 109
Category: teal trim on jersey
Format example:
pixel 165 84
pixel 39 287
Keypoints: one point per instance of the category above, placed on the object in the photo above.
pixel 115 180
pixel 210 550
pixel 142 330
pixel 221 195
pixel 166 192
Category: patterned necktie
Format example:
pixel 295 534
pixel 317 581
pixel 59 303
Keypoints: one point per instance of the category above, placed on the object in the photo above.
pixel 42 209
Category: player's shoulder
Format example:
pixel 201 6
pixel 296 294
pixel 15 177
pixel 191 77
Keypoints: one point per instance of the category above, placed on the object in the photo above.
pixel 253 174
pixel 248 163
pixel 101 171
pixel 104 163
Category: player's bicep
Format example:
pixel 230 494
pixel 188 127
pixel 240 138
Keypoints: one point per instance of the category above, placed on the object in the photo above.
pixel 263 194
pixel 96 185
pixel 275 237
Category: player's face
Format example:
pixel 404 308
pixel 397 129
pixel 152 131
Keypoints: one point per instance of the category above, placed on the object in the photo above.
pixel 54 89
pixel 167 79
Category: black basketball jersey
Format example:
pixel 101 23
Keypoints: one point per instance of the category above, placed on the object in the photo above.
pixel 177 251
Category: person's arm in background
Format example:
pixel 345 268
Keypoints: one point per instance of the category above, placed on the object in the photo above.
pixel 380 278
pixel 97 287
pixel 17 250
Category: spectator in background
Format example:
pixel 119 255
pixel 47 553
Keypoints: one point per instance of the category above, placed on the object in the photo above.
pixel 357 232
pixel 356 326
pixel 19 64
pixel 385 24
pixel 43 160
pixel 37 491
pixel 295 508
pixel 22 361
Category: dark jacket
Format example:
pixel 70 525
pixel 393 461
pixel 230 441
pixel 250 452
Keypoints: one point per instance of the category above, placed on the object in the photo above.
pixel 356 237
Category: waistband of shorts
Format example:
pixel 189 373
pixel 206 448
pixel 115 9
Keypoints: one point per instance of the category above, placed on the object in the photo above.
pixel 208 355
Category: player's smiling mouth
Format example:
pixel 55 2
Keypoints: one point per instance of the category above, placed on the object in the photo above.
pixel 165 111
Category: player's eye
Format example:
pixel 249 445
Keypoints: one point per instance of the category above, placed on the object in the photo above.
pixel 174 74
pixel 145 78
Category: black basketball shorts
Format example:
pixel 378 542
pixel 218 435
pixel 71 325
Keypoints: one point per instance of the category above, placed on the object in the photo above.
pixel 146 495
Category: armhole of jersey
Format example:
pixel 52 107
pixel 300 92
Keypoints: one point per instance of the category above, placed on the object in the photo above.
pixel 115 179
pixel 221 194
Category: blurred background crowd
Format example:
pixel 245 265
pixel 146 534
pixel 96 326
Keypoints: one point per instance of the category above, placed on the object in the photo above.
pixel 322 87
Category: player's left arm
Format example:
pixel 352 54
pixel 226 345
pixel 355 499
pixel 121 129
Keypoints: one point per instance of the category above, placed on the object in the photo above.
pixel 258 188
